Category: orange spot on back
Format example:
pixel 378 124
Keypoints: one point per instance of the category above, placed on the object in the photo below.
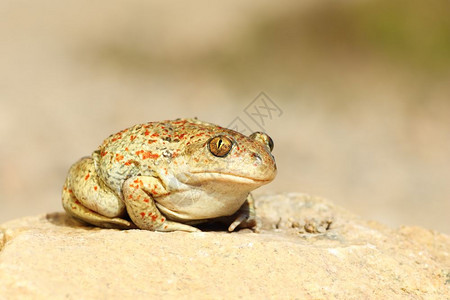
pixel 87 176
pixel 148 154
pixel 117 136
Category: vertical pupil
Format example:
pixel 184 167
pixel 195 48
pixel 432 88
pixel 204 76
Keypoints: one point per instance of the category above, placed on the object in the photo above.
pixel 219 143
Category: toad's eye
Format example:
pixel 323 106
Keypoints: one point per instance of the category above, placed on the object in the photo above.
pixel 220 145
pixel 262 138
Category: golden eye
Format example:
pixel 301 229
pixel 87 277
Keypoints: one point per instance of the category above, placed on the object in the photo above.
pixel 220 145
pixel 270 143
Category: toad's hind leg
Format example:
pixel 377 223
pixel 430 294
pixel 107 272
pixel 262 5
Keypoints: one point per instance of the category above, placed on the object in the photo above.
pixel 87 198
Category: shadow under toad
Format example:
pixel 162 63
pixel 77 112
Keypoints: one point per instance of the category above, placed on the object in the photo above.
pixel 62 219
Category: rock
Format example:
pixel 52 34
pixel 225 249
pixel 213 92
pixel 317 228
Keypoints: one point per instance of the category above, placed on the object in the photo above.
pixel 305 248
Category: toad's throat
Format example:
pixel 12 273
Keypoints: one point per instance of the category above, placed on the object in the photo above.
pixel 198 204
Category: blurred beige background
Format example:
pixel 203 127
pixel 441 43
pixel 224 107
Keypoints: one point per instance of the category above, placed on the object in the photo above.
pixel 364 87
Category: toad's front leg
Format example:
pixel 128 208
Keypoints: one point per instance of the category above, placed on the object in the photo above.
pixel 138 195
pixel 245 217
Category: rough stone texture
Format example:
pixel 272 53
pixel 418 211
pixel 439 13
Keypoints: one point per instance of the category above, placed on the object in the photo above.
pixel 306 248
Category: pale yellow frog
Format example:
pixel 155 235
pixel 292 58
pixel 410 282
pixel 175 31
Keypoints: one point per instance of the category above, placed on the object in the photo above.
pixel 169 175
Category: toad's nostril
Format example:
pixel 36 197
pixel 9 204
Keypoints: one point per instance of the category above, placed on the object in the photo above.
pixel 257 158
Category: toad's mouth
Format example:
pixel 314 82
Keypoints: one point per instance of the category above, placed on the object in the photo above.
pixel 199 177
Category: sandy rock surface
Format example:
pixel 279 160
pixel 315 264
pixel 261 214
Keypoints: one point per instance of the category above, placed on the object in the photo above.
pixel 305 248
